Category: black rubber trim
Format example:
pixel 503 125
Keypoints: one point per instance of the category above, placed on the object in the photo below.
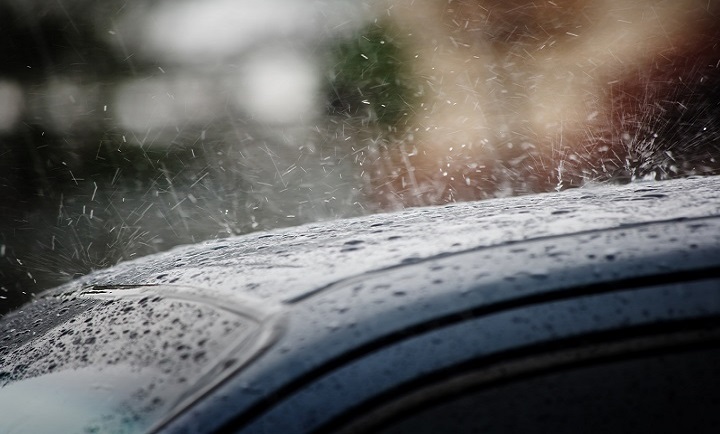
pixel 559 356
pixel 620 227
pixel 516 303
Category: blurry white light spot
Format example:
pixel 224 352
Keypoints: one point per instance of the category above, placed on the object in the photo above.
pixel 11 102
pixel 218 28
pixel 279 87
pixel 162 102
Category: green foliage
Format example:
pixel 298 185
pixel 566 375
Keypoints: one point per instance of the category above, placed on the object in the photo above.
pixel 370 77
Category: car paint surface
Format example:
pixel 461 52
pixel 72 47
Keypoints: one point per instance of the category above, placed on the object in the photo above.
pixel 287 264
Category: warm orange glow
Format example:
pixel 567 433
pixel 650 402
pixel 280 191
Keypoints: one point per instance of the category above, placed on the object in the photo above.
pixel 505 81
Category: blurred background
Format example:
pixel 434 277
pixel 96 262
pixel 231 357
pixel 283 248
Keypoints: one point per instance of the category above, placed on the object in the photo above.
pixel 129 127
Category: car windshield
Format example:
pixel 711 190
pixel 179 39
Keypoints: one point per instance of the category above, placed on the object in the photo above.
pixel 120 359
pixel 69 405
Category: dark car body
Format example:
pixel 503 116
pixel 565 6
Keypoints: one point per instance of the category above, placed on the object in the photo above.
pixel 595 310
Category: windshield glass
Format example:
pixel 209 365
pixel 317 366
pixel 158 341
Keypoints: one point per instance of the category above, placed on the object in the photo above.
pixel 122 359
pixel 86 400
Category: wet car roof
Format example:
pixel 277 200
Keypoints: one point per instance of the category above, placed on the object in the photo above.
pixel 287 264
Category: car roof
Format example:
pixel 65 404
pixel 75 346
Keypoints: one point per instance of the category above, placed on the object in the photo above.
pixel 287 264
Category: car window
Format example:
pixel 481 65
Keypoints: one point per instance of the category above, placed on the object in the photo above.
pixel 672 392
